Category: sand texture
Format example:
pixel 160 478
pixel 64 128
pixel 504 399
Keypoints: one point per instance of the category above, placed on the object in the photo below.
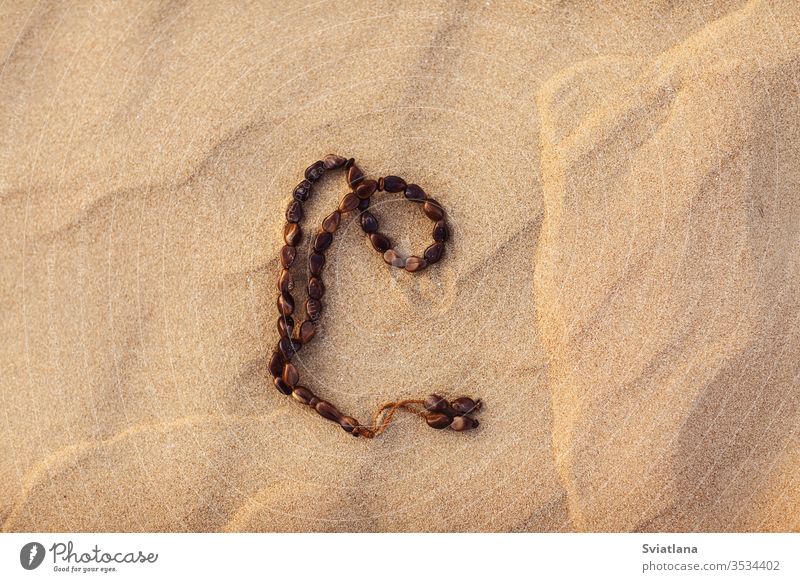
pixel 622 287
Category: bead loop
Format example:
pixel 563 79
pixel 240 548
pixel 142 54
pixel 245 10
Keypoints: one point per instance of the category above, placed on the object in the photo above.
pixel 437 412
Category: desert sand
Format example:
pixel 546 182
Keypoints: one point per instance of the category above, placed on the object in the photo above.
pixel 622 287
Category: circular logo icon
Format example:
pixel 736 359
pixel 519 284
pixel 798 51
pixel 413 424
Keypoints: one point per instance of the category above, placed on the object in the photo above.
pixel 31 555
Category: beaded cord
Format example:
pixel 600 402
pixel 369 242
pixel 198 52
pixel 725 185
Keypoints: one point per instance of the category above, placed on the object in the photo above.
pixel 437 412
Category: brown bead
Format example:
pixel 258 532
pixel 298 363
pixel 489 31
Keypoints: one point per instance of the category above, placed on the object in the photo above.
pixel 366 189
pixel 322 240
pixel 348 423
pixel 302 394
pixel 464 405
pixel 285 281
pixel 432 210
pixel 440 232
pixel 276 363
pixel 314 309
pixel 285 325
pixel 294 212
pixel 349 163
pixel 354 175
pixel 292 234
pixel 307 331
pixel 314 171
pixel 282 386
pixel 463 423
pixel 434 252
pixel 392 258
pixel 331 222
pixel 288 347
pixel 415 193
pixel 363 204
pixel 414 264
pixel 316 289
pixel 290 374
pixel 380 184
pixel 437 420
pixel 348 203
pixel 369 223
pixel 285 304
pixel 435 403
pixel 332 161
pixel 380 242
pixel 328 410
pixel 302 191
pixel 316 262
pixel 288 254
pixel 394 184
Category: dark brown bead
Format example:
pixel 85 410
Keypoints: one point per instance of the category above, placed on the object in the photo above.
pixel 366 189
pixel 285 304
pixel 390 255
pixel 290 374
pixel 285 325
pixel 363 204
pixel 307 331
pixel 276 363
pixel 328 410
pixel 314 171
pixel 285 281
pixel 332 161
pixel 331 222
pixel 394 184
pixel 292 234
pixel 414 264
pixel 415 193
pixel 294 212
pixel 302 394
pixel 349 202
pixel 440 232
pixel 392 258
pixel 349 163
pixel 437 420
pixel 315 288
pixel 354 175
pixel 316 262
pixel 434 252
pixel 433 210
pixel 369 223
pixel 322 240
pixel 380 242
pixel 463 423
pixel 302 191
pixel 348 423
pixel 314 309
pixel 288 254
pixel 464 405
pixel 313 401
pixel 435 403
pixel 282 386
pixel 288 347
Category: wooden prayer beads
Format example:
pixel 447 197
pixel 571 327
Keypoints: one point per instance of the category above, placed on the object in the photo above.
pixel 442 413
pixel 437 412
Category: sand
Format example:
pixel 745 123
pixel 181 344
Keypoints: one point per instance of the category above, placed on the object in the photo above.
pixel 621 288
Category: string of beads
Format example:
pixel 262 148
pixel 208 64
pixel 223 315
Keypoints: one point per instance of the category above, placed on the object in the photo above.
pixel 437 411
